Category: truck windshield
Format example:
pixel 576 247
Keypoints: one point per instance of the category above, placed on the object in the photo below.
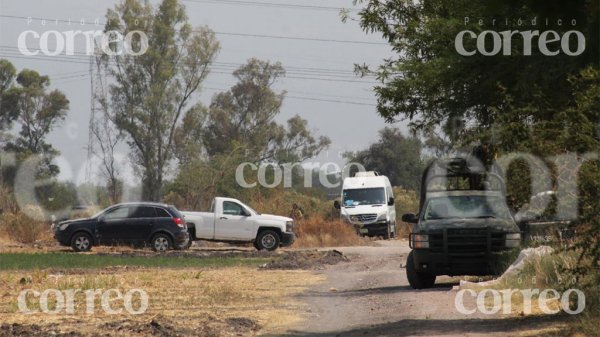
pixel 364 196
pixel 466 207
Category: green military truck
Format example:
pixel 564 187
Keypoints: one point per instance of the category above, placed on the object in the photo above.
pixel 464 225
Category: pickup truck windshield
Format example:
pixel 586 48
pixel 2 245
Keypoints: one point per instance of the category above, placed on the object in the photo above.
pixel 364 196
pixel 466 207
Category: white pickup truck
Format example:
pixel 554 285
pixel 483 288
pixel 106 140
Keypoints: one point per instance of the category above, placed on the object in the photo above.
pixel 230 220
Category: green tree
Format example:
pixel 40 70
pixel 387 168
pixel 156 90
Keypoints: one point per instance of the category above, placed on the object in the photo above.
pixel 35 109
pixel 394 155
pixel 239 126
pixel 428 82
pixel 245 116
pixel 7 77
pixel 152 92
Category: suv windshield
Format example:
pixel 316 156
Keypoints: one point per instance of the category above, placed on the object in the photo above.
pixel 468 206
pixel 364 196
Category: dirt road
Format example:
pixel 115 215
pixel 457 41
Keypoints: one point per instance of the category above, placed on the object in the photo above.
pixel 370 296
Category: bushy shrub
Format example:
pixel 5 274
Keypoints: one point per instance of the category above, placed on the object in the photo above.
pixel 319 232
pixel 407 201
pixel 21 227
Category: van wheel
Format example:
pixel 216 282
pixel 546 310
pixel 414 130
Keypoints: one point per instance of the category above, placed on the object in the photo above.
pixel 388 232
pixel 418 280
pixel 267 240
pixel 161 243
pixel 81 242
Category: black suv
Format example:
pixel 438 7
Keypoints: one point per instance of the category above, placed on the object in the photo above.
pixel 464 226
pixel 159 225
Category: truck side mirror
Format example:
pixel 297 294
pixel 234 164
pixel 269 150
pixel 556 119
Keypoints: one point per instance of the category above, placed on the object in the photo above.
pixel 336 205
pixel 410 218
pixel 391 201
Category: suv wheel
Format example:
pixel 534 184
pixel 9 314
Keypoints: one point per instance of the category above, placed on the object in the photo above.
pixel 418 280
pixel 267 240
pixel 81 242
pixel 161 243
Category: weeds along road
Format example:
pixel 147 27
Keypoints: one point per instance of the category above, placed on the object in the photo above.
pixel 370 296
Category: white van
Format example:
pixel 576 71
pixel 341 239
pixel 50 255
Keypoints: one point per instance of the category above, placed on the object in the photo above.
pixel 367 202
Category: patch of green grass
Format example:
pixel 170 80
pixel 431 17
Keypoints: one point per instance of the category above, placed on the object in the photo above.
pixel 24 261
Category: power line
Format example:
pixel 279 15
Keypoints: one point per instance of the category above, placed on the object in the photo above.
pixel 308 98
pixel 84 75
pixel 271 4
pixel 284 37
pixel 328 71
pixel 226 65
pixel 216 69
pixel 300 38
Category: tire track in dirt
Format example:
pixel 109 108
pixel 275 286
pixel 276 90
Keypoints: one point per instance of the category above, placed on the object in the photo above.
pixel 370 296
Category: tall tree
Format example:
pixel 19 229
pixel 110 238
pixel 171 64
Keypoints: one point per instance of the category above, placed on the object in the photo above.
pixel 153 91
pixel 394 155
pixel 7 77
pixel 245 116
pixel 37 111
pixel 429 83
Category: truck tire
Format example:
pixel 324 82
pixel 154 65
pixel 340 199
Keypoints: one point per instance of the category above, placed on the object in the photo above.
pixel 267 240
pixel 81 242
pixel 161 242
pixel 418 280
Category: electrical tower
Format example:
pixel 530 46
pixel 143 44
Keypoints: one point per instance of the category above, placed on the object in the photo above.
pixel 98 92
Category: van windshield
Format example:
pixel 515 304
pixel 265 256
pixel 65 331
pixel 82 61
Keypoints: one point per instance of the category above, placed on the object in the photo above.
pixel 466 207
pixel 364 196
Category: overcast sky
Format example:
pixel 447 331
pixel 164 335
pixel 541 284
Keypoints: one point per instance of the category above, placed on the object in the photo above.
pixel 338 105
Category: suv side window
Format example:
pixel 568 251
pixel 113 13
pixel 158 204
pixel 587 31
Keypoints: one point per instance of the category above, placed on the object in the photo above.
pixel 117 213
pixel 161 213
pixel 232 208
pixel 143 212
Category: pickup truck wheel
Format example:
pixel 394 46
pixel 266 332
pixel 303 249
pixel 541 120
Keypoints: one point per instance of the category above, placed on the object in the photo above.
pixel 189 242
pixel 418 280
pixel 81 242
pixel 267 240
pixel 161 243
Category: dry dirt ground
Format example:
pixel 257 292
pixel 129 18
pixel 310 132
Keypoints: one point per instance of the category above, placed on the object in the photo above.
pixel 370 296
pixel 349 291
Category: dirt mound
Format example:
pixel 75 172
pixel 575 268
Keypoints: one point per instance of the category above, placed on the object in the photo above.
pixel 159 326
pixel 241 324
pixel 156 327
pixel 14 330
pixel 162 327
pixel 307 259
